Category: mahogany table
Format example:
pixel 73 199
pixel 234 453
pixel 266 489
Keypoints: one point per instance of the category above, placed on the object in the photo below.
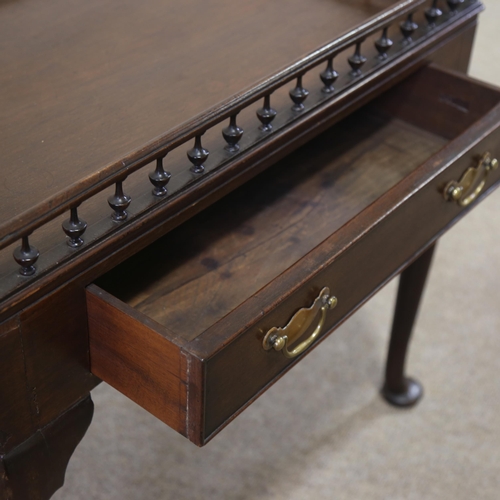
pixel 196 194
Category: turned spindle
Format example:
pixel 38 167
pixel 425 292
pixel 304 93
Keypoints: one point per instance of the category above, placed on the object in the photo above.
pixel 26 256
pixel 357 60
pixel 432 14
pixel 328 77
pixel 198 156
pixel 159 178
pixel 453 5
pixel 74 229
pixel 266 114
pixel 298 95
pixel 383 44
pixel 408 27
pixel 119 202
pixel 232 135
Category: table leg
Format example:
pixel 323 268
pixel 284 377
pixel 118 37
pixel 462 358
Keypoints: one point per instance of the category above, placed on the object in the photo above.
pixel 35 469
pixel 398 389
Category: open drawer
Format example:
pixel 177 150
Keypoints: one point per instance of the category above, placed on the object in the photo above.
pixel 197 325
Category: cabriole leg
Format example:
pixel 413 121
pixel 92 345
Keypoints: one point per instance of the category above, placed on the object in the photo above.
pixel 35 469
pixel 398 389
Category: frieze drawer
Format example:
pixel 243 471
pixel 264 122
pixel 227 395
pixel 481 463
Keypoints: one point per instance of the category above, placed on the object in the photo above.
pixel 200 323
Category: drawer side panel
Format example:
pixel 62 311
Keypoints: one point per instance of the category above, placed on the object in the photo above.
pixel 136 359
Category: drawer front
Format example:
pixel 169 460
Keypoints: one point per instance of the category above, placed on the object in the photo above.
pixel 197 384
pixel 242 370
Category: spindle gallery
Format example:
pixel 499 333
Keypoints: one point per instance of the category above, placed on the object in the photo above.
pixel 361 67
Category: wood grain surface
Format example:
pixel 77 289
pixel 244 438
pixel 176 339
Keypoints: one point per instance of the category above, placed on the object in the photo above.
pixel 35 469
pixel 349 211
pixel 16 419
pixel 197 274
pixel 132 355
pixel 87 83
pixel 451 45
pixel 355 262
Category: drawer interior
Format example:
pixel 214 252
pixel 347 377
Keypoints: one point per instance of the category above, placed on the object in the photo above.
pixel 198 273
pixel 179 327
pixel 201 271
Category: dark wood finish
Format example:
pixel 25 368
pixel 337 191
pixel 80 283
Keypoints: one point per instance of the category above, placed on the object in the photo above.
pixel 353 260
pixel 196 400
pixel 160 178
pixel 166 76
pixel 200 272
pixel 46 351
pixel 456 55
pixel 453 4
pixel 232 135
pixel 298 95
pixel 399 389
pixel 26 255
pixel 354 276
pixel 452 104
pixel 35 469
pixel 74 228
pixel 327 182
pixel 61 258
pixel 329 77
pixel 45 360
pixel 266 115
pixel 383 44
pixel 198 156
pixel 357 60
pixel 16 420
pixel 93 260
pixel 408 27
pixel 433 13
pixel 44 355
pixel 119 202
pixel 56 353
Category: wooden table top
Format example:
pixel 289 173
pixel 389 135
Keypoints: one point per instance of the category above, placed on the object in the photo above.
pixel 84 84
pixel 94 94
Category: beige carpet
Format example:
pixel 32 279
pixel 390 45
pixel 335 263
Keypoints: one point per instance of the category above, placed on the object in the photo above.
pixel 323 432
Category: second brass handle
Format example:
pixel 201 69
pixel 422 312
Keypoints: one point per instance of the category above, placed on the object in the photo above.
pixel 472 182
pixel 279 338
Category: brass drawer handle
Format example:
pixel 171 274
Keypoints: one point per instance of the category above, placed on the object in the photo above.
pixel 279 338
pixel 472 182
